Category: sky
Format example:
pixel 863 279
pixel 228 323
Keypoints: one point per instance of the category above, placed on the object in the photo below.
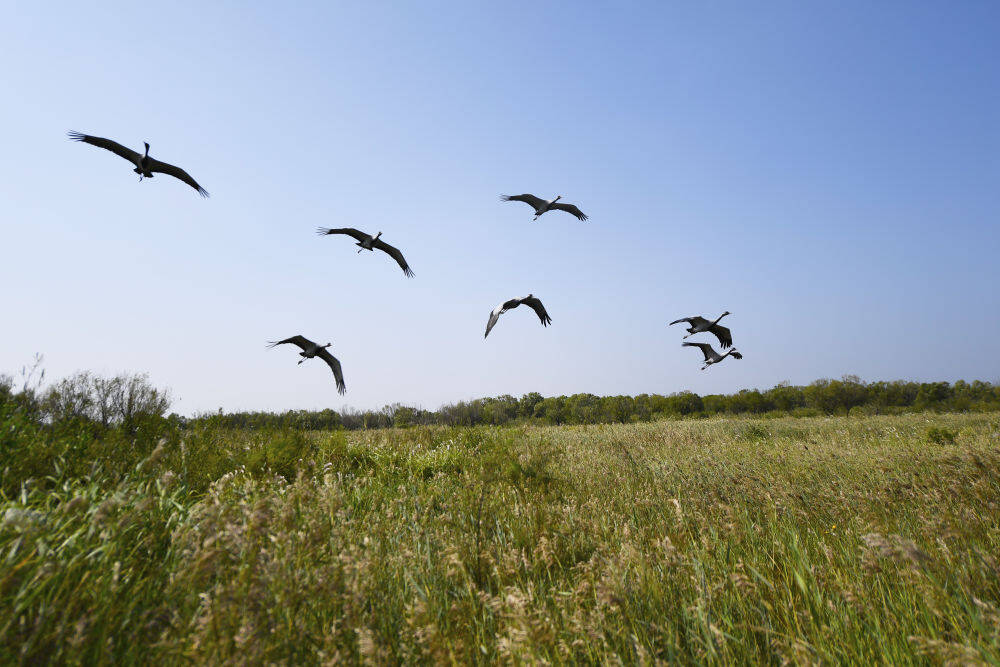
pixel 828 172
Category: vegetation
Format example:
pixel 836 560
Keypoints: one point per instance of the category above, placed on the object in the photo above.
pixel 824 397
pixel 820 539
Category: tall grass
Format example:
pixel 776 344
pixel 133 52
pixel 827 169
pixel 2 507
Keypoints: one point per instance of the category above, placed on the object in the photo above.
pixel 854 540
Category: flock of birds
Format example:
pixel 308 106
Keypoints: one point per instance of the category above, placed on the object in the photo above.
pixel 147 166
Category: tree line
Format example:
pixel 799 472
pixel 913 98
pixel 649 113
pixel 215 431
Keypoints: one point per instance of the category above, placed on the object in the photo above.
pixel 849 395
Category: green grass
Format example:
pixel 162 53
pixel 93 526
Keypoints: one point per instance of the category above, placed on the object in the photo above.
pixel 834 540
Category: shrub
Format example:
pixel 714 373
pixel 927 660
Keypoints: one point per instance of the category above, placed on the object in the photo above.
pixel 939 435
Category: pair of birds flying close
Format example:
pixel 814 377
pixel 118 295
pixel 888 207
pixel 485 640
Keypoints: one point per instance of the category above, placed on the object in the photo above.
pixel 699 324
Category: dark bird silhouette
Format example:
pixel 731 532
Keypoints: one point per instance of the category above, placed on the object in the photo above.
pixel 367 242
pixel 145 166
pixel 541 205
pixel 700 324
pixel 711 356
pixel 529 300
pixel 310 350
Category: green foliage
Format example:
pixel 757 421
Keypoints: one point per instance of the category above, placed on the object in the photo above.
pixel 848 395
pixel 281 453
pixel 850 540
pixel 752 432
pixel 939 435
pixel 840 540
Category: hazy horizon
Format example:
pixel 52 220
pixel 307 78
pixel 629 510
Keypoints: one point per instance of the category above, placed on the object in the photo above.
pixel 828 175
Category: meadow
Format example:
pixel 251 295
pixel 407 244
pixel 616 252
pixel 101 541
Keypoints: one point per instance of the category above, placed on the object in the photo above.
pixel 861 540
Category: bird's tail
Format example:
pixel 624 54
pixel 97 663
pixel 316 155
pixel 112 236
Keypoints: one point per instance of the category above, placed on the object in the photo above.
pixel 323 230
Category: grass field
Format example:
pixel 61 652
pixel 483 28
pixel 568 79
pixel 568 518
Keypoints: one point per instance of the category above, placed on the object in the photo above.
pixel 844 539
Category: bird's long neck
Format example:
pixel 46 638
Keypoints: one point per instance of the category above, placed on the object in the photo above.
pixel 146 154
pixel 375 238
pixel 556 199
pixel 719 319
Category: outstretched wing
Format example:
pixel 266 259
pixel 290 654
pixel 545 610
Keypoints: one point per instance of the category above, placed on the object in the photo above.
pixel 350 231
pixel 693 321
pixel 338 373
pixel 176 172
pixel 301 341
pixel 107 145
pixel 494 317
pixel 570 208
pixel 539 309
pixel 723 334
pixel 500 310
pixel 531 200
pixel 395 254
pixel 706 349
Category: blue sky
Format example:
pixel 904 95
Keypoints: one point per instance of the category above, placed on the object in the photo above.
pixel 830 174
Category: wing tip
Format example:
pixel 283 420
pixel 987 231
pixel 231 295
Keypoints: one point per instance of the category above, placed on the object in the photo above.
pixel 76 136
pixel 203 192
pixel 323 231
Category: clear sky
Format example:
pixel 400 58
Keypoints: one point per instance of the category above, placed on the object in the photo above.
pixel 829 172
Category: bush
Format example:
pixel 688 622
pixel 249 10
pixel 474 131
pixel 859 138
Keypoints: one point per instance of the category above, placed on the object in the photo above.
pixel 282 453
pixel 939 435
pixel 752 432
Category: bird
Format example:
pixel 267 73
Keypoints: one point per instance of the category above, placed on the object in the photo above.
pixel 529 300
pixel 310 350
pixel 711 356
pixel 700 325
pixel 541 205
pixel 144 165
pixel 367 242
